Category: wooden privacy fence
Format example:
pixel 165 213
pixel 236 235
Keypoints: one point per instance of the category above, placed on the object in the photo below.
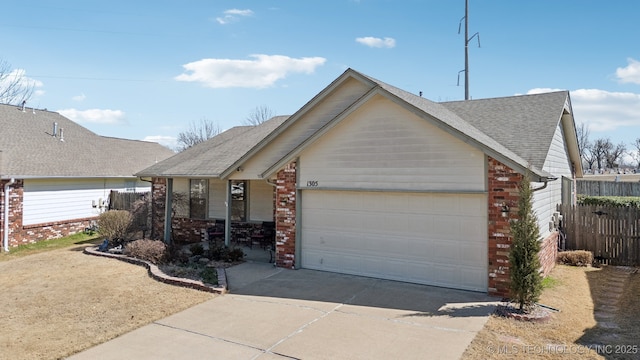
pixel 141 214
pixel 607 188
pixel 125 200
pixel 612 234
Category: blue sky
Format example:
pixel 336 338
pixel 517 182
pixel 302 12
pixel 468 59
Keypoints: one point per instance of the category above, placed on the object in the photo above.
pixel 146 70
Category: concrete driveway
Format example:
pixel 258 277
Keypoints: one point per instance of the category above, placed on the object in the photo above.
pixel 283 314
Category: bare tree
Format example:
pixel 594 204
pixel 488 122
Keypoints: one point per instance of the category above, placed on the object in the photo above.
pixel 589 156
pixel 583 138
pixel 584 144
pixel 599 150
pixel 15 88
pixel 614 155
pixel 196 133
pixel 635 153
pixel 259 115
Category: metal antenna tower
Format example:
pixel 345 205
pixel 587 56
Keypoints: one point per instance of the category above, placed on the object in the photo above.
pixel 467 39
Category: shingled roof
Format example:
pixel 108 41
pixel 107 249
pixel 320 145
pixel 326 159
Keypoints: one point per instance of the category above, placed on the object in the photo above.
pixel 212 157
pixel 515 130
pixel 30 149
pixel 524 124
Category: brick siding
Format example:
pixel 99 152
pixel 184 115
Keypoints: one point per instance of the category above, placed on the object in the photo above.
pixel 158 200
pixel 503 190
pixel 549 253
pixel 286 217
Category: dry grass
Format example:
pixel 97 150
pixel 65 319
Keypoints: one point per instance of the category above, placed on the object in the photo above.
pixel 60 302
pixel 576 291
pixel 575 258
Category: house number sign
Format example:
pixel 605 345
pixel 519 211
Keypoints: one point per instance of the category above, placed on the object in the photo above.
pixel 312 183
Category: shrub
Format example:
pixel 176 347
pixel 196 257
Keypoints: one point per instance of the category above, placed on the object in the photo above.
pixel 524 264
pixel 218 253
pixel 209 276
pixel 628 201
pixel 153 251
pixel 223 253
pixel 115 224
pixel 235 255
pixel 175 254
pixel 196 249
pixel 575 258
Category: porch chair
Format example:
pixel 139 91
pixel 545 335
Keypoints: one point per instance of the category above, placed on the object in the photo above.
pixel 216 232
pixel 265 235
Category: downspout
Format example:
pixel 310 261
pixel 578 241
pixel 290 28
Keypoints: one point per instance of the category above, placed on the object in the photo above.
pixel 546 182
pixel 5 232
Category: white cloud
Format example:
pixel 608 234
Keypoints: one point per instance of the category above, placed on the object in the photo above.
pixel 261 72
pixel 630 73
pixel 233 15
pixel 541 91
pixel 168 141
pixel 95 116
pixel 606 111
pixel 19 78
pixel 79 98
pixel 375 42
pixel 602 110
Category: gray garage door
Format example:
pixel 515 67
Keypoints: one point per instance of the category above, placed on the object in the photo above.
pixel 425 238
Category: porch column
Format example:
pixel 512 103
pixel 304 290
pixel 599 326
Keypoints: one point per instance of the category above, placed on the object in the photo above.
pixel 167 211
pixel 286 227
pixel 227 217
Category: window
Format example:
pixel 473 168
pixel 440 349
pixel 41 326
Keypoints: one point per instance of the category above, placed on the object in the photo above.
pixel 198 198
pixel 239 201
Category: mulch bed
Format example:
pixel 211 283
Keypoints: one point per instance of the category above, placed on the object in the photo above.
pixel 511 310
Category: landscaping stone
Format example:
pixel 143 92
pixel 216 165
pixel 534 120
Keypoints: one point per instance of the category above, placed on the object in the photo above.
pixel 510 310
pixel 159 275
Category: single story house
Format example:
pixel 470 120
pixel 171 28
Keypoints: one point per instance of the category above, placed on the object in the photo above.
pixel 56 176
pixel 368 179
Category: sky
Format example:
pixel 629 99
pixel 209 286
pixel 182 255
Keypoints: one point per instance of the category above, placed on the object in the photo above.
pixel 147 70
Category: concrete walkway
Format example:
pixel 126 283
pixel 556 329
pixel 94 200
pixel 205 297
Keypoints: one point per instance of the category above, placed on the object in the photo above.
pixel 274 313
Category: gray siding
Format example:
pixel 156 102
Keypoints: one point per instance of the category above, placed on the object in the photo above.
pixel 260 201
pixel 381 146
pixel 558 164
pixel 306 126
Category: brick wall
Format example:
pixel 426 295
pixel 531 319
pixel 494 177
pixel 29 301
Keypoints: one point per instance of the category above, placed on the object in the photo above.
pixel 158 200
pixel 549 253
pixel 503 190
pixel 286 217
pixel 20 235
pixel 186 231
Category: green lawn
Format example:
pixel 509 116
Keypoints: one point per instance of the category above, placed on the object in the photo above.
pixel 47 245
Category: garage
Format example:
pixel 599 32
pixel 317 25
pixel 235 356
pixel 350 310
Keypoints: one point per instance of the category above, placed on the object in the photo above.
pixel 419 237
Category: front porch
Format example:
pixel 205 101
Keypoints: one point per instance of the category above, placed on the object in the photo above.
pixel 257 216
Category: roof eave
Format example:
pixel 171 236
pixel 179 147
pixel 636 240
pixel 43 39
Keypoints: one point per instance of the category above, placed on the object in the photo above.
pixel 44 177
pixel 571 137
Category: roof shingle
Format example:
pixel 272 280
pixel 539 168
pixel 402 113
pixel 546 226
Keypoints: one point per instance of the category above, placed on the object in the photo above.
pixel 214 156
pixel 30 149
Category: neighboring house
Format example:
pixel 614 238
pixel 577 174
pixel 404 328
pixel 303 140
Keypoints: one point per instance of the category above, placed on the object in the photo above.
pixel 57 175
pixel 371 180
